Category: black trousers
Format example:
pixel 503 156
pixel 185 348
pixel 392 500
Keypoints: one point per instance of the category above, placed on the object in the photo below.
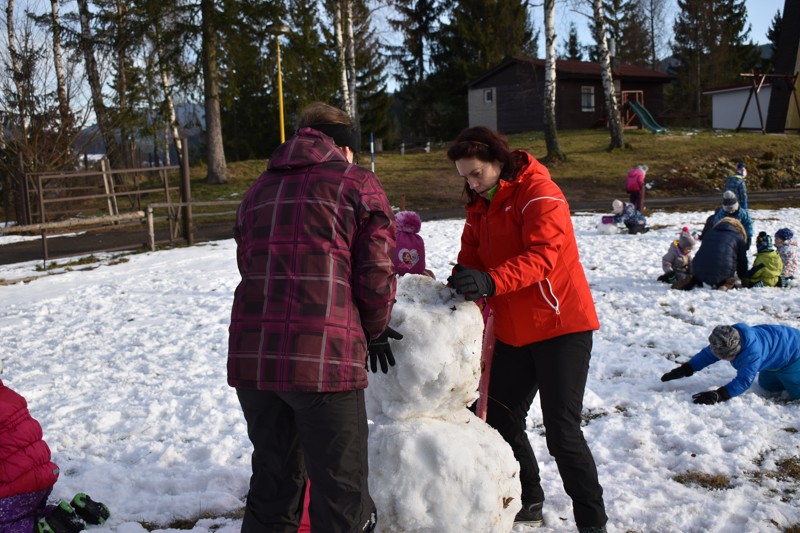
pixel 300 435
pixel 557 370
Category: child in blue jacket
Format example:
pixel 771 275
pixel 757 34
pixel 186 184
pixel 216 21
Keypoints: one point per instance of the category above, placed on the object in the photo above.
pixel 627 213
pixel 736 184
pixel 768 351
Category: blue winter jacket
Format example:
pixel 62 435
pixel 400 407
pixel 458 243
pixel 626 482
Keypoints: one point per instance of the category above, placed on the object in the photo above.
pixel 722 253
pixel 764 347
pixel 736 184
pixel 742 216
pixel 630 216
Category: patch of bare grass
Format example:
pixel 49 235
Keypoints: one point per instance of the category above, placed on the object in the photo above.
pixel 704 480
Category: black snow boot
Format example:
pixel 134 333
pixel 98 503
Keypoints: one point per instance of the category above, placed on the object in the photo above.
pixel 64 520
pixel 592 529
pixel 90 511
pixel 530 514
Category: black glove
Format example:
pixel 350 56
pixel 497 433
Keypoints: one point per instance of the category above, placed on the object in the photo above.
pixel 668 278
pixel 711 397
pixel 473 284
pixel 683 371
pixel 379 350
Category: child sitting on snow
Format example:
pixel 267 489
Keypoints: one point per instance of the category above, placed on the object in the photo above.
pixel 677 262
pixel 410 253
pixel 767 266
pixel 628 214
pixel 786 247
pixel 28 475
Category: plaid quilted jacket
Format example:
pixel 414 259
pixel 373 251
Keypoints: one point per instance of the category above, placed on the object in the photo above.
pixel 315 238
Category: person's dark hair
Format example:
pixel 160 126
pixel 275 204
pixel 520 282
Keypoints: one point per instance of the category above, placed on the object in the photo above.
pixel 331 121
pixel 485 145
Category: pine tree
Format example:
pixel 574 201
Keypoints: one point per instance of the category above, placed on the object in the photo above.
pixel 417 22
pixel 774 36
pixel 632 41
pixel 625 24
pixel 308 61
pixel 711 44
pixel 374 101
pixel 573 50
pixel 478 35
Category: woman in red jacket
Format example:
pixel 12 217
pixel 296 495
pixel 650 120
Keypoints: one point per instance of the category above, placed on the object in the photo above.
pixel 518 250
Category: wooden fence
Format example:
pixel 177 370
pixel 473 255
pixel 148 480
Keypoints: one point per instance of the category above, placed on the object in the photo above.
pixel 62 202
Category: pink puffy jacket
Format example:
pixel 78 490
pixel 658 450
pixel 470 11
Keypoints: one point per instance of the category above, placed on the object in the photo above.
pixel 635 180
pixel 25 464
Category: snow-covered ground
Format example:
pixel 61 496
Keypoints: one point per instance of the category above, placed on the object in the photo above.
pixel 124 366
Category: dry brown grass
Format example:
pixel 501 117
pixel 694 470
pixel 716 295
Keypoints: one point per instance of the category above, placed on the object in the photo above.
pixel 703 480
pixel 681 162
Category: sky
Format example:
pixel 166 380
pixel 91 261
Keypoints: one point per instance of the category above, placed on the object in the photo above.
pixel 124 366
pixel 759 15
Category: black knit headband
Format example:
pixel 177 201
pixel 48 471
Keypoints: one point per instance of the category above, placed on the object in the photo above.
pixel 342 135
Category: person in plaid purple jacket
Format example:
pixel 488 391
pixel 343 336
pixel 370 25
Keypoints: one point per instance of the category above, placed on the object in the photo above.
pixel 315 238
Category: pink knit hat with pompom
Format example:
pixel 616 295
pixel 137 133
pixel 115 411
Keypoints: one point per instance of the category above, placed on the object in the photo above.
pixel 686 240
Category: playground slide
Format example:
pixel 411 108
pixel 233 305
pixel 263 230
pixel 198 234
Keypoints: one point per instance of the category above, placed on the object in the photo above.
pixel 645 117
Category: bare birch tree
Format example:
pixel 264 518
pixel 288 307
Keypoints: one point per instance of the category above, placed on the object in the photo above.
pixel 654 13
pixel 166 87
pixel 351 66
pixel 554 152
pixel 215 153
pixel 614 118
pixel 58 63
pixel 341 55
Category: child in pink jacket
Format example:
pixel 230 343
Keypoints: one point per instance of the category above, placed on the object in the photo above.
pixel 27 477
pixel 409 256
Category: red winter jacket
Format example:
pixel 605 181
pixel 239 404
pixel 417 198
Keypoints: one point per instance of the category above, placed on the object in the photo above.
pixel 525 240
pixel 25 464
pixel 315 238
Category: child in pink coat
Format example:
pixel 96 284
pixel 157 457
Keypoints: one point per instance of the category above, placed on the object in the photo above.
pixel 409 256
pixel 27 477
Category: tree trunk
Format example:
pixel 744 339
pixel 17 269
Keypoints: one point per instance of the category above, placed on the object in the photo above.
pixel 17 76
pixel 340 51
pixel 614 118
pixel 95 86
pixel 61 91
pixel 122 85
pixel 554 152
pixel 351 59
pixel 215 153
pixel 172 127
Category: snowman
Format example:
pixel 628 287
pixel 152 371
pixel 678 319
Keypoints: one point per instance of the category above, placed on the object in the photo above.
pixel 434 465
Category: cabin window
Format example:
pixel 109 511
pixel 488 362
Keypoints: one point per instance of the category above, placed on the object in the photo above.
pixel 587 99
pixel 488 96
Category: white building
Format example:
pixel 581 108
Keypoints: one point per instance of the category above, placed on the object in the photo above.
pixel 728 104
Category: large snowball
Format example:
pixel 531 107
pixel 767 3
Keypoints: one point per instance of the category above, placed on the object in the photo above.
pixel 438 359
pixel 439 476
